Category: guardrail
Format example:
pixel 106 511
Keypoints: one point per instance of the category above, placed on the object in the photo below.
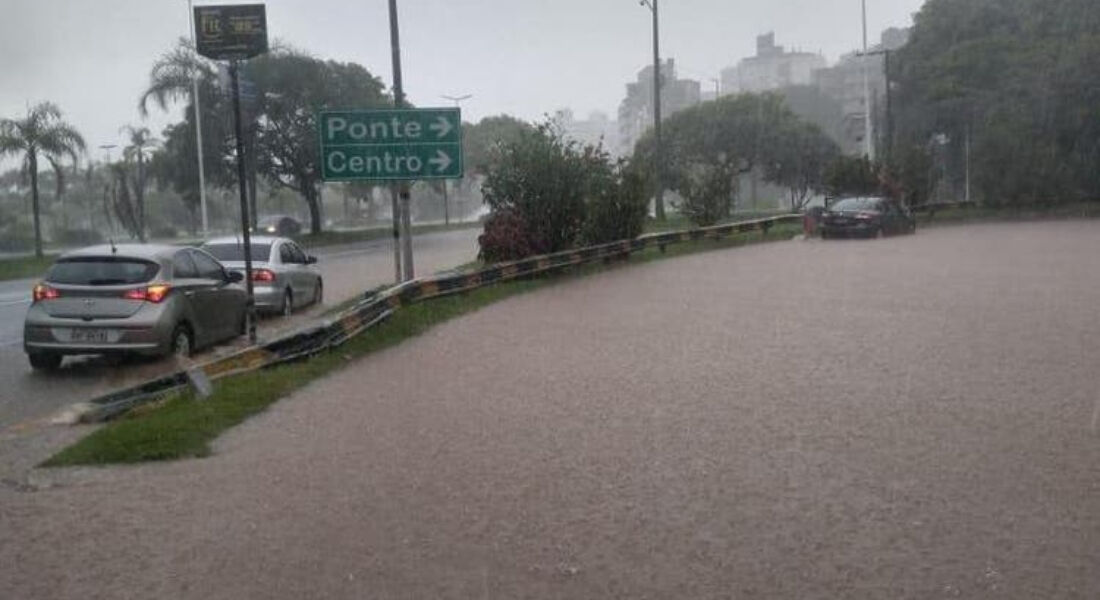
pixel 376 308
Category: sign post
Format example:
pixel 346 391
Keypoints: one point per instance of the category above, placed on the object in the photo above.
pixel 235 32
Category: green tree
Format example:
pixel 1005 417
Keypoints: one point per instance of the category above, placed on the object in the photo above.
pixel 40 133
pixel 140 145
pixel 291 88
pixel 480 141
pixel 708 147
pixel 1015 80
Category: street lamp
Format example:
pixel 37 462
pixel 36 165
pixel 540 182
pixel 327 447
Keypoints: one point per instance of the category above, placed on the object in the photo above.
pixel 457 99
pixel 198 123
pixel 659 199
pixel 446 202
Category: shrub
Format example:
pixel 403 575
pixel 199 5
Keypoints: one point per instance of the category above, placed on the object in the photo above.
pixel 617 206
pixel 543 179
pixel 506 237
pixel 707 191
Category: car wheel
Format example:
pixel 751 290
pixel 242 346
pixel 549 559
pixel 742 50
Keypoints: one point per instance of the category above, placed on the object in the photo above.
pixel 183 343
pixel 319 295
pixel 44 361
pixel 287 307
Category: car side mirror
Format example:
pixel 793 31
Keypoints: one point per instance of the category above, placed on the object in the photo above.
pixel 311 260
pixel 235 277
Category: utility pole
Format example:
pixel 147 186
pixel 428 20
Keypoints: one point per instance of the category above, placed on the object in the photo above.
pixel 406 270
pixel 234 67
pixel 198 126
pixel 868 127
pixel 888 142
pixel 659 199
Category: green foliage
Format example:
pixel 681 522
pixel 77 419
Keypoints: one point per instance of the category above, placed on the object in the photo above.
pixel 617 205
pixel 481 141
pixel 291 88
pixel 543 179
pixel 852 176
pixel 41 133
pixel 280 134
pixel 1018 79
pixel 547 194
pixel 707 147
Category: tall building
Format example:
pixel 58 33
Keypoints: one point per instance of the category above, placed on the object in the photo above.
pixel 772 68
pixel 844 83
pixel 636 109
pixel 597 129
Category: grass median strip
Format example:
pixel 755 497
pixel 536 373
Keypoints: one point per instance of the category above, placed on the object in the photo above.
pixel 24 267
pixel 181 426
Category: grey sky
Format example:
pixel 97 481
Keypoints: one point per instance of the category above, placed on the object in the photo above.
pixel 522 57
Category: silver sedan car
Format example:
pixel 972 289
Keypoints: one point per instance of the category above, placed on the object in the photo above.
pixel 283 275
pixel 132 299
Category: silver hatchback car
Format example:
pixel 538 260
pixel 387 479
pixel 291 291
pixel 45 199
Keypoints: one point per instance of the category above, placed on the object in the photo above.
pixel 283 275
pixel 132 298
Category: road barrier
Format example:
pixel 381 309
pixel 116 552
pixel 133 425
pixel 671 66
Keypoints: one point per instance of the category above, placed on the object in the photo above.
pixel 375 308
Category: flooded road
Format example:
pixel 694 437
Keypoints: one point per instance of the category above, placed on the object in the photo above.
pixel 902 418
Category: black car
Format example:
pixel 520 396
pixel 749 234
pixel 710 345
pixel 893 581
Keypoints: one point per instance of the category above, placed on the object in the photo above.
pixel 279 225
pixel 866 217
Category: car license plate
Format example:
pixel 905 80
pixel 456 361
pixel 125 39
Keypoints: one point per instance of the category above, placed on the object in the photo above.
pixel 93 336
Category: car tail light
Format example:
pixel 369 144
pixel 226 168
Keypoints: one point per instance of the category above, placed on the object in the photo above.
pixel 44 292
pixel 263 275
pixel 154 293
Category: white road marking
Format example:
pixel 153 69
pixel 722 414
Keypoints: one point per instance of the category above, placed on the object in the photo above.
pixel 15 302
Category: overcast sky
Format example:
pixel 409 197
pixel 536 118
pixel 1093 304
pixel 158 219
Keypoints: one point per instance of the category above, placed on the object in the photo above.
pixel 522 57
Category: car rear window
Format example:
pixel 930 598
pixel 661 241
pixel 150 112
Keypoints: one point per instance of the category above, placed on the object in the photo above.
pixel 857 204
pixel 235 252
pixel 102 270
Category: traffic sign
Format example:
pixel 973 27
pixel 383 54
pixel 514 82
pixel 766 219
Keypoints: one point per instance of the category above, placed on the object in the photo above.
pixel 231 31
pixel 390 144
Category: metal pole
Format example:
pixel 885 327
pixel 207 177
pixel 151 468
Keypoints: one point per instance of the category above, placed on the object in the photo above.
pixel 396 209
pixel 868 131
pixel 888 151
pixel 198 126
pixel 446 208
pixel 245 234
pixel 659 200
pixel 407 271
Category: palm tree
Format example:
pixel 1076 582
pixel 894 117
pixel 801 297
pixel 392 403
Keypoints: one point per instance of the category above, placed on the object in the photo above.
pixel 141 142
pixel 41 133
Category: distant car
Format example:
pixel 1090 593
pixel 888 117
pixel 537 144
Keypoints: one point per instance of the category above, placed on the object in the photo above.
pixel 132 299
pixel 281 225
pixel 283 275
pixel 866 217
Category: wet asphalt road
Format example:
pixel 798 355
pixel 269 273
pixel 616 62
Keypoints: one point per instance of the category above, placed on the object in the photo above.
pixel 900 418
pixel 348 271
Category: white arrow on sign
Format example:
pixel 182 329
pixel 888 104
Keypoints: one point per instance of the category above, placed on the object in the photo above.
pixel 441 161
pixel 441 127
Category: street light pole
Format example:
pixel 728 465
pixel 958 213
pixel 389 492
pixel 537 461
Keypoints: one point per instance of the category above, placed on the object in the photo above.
pixel 659 199
pixel 198 126
pixel 406 271
pixel 868 126
pixel 446 201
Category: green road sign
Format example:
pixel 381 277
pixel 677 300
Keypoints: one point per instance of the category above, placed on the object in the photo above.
pixel 392 144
